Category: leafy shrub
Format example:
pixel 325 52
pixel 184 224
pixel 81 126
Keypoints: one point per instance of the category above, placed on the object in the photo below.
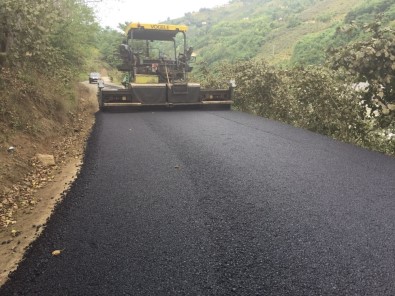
pixel 315 98
pixel 325 104
pixel 324 17
pixel 311 50
pixel 293 22
pixel 260 90
pixel 46 33
pixel 372 60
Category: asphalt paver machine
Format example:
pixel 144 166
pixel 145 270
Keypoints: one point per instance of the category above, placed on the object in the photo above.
pixel 156 62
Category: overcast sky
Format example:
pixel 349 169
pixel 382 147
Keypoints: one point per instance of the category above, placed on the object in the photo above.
pixel 112 12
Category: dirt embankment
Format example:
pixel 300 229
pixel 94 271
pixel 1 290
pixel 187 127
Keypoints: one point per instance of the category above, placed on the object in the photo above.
pixel 31 185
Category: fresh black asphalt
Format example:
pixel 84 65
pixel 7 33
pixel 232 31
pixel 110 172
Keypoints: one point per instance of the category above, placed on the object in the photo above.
pixel 217 203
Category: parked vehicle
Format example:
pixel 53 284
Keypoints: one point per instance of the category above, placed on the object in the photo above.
pixel 94 77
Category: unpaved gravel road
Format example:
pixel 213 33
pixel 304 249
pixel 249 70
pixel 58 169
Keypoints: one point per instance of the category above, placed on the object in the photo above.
pixel 217 203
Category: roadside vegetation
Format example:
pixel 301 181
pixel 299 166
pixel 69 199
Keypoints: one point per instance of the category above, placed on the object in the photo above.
pixel 351 98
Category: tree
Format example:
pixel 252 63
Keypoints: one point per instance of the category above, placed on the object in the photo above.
pixel 108 42
pixel 46 33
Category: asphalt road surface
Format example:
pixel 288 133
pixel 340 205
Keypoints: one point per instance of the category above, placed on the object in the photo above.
pixel 217 203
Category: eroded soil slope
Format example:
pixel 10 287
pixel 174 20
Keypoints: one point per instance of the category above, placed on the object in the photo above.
pixel 30 187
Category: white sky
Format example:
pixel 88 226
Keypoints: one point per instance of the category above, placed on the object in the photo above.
pixel 112 12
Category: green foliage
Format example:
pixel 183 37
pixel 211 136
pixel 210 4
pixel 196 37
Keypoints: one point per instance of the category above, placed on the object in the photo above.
pixel 372 60
pixel 108 41
pixel 323 103
pixel 75 37
pixel 26 28
pixel 212 77
pixel 312 49
pixel 240 29
pixel 55 36
pixel 368 11
pixel 278 29
pixel 224 42
pixel 259 89
pixel 293 22
pixel 324 17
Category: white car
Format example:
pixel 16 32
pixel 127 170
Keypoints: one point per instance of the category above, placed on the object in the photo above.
pixel 94 77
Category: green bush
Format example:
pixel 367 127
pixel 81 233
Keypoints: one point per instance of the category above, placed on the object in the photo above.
pixel 325 104
pixel 368 11
pixel 314 98
pixel 372 60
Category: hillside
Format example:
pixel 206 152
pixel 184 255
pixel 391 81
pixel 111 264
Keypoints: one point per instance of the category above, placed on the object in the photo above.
pixel 273 29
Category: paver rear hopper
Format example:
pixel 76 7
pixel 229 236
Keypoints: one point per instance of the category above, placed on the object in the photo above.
pixel 156 61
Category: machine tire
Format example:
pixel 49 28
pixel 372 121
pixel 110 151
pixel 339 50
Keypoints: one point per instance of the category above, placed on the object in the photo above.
pixel 100 101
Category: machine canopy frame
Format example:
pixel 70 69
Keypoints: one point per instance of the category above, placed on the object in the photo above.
pixel 160 32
